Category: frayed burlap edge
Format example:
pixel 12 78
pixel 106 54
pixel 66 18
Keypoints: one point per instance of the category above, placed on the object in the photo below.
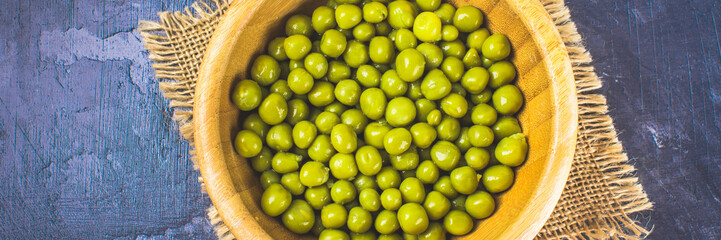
pixel 601 191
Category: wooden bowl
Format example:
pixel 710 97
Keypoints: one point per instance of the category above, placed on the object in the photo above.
pixel 549 116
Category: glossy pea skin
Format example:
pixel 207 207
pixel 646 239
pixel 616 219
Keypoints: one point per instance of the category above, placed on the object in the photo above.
pixel 321 94
pixel 483 97
pixel 297 111
pixel 387 178
pixel 443 185
pixel 484 114
pixel 337 71
pixel 348 92
pixel 496 47
pixel 445 155
pixel 497 178
pixel 383 28
pixel 386 222
pixel 333 234
pixel 265 70
pixel 356 54
pixel 432 54
pixel 412 190
pixel 299 24
pixel 511 151
pixel 392 85
pixel 462 141
pixel 381 50
pixel 505 126
pixel 463 180
pixel 281 87
pixel 454 49
pixel 268 178
pixel 297 46
pixel 414 90
pixel 480 205
pixel 475 80
pixel 405 161
pixel 458 222
pixel 334 215
pixel 436 205
pixel 449 33
pixel 400 111
pixel 369 160
pixel 453 68
pixel 368 76
pixel 401 14
pixel 477 158
pixel 476 38
pixel 342 192
pixel 427 172
pixel 412 218
pixel 333 43
pixel 369 199
pixel 391 199
pixel 291 181
pixel 423 107
pixel 248 144
pixel 348 16
pixel 262 161
pixel 280 137
pixel 445 12
pixel 364 32
pixel 427 27
pixel 507 100
pixel 410 65
pixel 336 107
pixel 354 117
pixel 467 18
pixel 449 129
pixel 363 182
pixel 369 235
pixel 359 220
pixel 459 203
pixel 275 200
pixel 316 64
pixel 323 18
pixel 435 231
pixel 428 5
pixel 343 166
pixel 435 85
pixel 472 59
pixel 295 64
pixel 343 138
pixel 273 109
pixel 397 141
pixel 374 12
pixel 325 122
pixel 434 117
pixel 501 73
pixel 317 196
pixel 454 105
pixel 321 150
pixel 373 103
pixel 276 50
pixel 423 134
pixel 300 81
pixel 480 136
pixel 304 133
pixel 299 217
pixel 374 134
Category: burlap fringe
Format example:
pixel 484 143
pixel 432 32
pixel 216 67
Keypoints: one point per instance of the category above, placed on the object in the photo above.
pixel 178 80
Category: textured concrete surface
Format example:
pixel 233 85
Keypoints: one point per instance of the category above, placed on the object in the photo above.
pixel 88 150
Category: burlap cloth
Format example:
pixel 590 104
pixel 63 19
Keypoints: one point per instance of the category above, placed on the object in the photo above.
pixel 601 190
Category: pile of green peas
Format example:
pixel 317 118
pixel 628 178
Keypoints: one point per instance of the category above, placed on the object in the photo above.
pixel 382 120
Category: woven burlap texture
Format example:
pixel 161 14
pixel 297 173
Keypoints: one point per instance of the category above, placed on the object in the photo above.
pixel 601 190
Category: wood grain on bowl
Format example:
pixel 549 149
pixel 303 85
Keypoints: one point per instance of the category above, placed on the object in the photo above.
pixel 549 117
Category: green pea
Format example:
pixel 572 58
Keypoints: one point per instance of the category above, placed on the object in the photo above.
pixel 300 81
pixel 405 161
pixel 477 158
pixel 342 192
pixel 383 28
pixel 317 196
pixel 445 12
pixel 268 178
pixel 484 114
pixel 291 181
pixel 299 24
pixel 356 54
pixel 480 136
pixel 412 190
pixel 480 205
pixel 497 178
pixel 453 68
pixel 348 33
pixel 370 200
pixel 348 16
pixel 405 39
pixel 321 150
pixel 262 161
pixel 325 122
pixel 397 141
pixel 434 117
pixel 427 172
pixel 457 88
pixel 507 100
pixel 506 126
pixel 445 155
pixel 472 59
pixel 368 76
pixel 467 18
pixel 423 107
pixel 476 38
pixel 463 180
pixel 343 166
pixel 348 92
pixel 373 103
pixel 247 95
pixel 483 97
pixel 400 111
pixel 392 85
pixel 449 33
pixel 369 235
pixel 501 73
pixel 423 134
pixel 315 47
pixel 388 178
pixel 412 218
pixel 265 70
pixel 463 142
pixel 444 186
pixel 280 137
pixel 381 50
pixel 435 85
pixel 295 64
pixel 414 90
pixel 296 46
pixel 321 94
pixel 333 234
pixel 337 71
pixel 394 236
pixel 363 182
pixel 408 174
pixel 275 200
pixel 487 63
pixel 333 215
pixel 248 144
pixel 401 14
pixel 336 107
pixel 359 220
pixel 427 27
pixel 386 222
pixel 343 138
pixel 281 87
pixel 432 54
pixel 304 133
pixel 364 32
pixel 316 64
pixel 454 105
pixel 354 117
pixel 436 205
pixel 435 231
pixel 273 109
pixel 333 43
pixel 275 49
pixel 284 162
pixel 511 151
pixel 374 134
pixel 449 129
pixel 454 49
pixel 458 223
pixel 459 203
pixel 323 19
pixel 496 47
pixel 297 111
pixel 475 80
pixel 374 12
pixel 369 160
